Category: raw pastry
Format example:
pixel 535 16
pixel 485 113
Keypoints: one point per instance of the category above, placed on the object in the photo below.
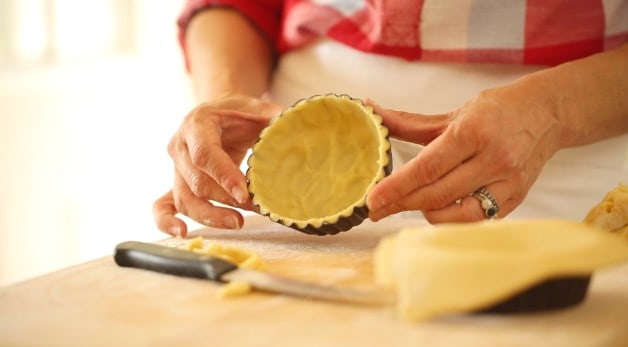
pixel 238 256
pixel 612 212
pixel 234 288
pixel 314 164
pixel 457 268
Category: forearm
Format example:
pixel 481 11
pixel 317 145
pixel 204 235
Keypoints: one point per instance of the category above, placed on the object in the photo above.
pixel 589 97
pixel 226 54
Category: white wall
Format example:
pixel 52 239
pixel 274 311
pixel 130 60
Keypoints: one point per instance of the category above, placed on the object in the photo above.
pixel 83 146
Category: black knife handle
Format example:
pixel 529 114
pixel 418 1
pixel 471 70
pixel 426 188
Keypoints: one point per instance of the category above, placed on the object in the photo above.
pixel 170 260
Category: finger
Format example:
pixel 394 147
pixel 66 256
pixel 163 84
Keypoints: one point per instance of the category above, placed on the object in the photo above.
pixel 164 212
pixel 412 127
pixel 207 189
pixel 455 185
pixel 204 187
pixel 469 209
pixel 206 153
pixel 385 211
pixel 201 184
pixel 431 164
pixel 204 136
pixel 202 210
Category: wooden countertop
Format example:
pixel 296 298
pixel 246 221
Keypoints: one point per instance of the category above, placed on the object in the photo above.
pixel 100 304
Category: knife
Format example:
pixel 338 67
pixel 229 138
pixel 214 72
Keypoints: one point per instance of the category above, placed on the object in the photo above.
pixel 174 261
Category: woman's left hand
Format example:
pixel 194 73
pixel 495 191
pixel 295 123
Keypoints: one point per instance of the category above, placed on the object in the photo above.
pixel 499 141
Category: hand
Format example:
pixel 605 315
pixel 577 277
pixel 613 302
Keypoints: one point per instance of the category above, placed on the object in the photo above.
pixel 500 141
pixel 207 150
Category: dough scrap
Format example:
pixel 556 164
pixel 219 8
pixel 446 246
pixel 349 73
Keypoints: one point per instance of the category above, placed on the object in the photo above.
pixel 456 268
pixel 238 256
pixel 234 288
pixel 612 212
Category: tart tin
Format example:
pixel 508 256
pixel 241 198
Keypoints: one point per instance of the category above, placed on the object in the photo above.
pixel 314 164
pixel 552 294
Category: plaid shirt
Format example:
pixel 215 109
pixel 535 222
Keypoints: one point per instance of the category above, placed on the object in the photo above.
pixel 547 32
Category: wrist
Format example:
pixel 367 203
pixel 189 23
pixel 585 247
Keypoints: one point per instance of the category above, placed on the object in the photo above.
pixel 550 103
pixel 587 96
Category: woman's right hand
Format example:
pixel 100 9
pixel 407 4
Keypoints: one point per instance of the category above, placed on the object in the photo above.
pixel 207 150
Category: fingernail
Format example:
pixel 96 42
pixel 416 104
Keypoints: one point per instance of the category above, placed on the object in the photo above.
pixel 376 203
pixel 384 212
pixel 231 222
pixel 238 194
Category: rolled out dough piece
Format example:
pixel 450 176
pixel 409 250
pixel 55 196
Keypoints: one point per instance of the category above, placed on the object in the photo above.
pixel 456 268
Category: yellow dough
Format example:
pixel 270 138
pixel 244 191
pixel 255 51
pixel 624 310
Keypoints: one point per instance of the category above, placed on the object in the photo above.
pixel 456 268
pixel 238 256
pixel 612 212
pixel 314 164
pixel 234 288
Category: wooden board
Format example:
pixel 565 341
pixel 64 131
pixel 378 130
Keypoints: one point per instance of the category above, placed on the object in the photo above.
pixel 100 304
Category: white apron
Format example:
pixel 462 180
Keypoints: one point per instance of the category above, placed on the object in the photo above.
pixel 573 181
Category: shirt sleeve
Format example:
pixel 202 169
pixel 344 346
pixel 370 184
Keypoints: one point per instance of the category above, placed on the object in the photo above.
pixel 264 14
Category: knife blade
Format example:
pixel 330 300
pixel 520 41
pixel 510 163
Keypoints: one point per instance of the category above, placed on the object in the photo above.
pixel 174 261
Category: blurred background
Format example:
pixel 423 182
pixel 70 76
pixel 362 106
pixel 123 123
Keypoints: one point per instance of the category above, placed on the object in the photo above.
pixel 90 93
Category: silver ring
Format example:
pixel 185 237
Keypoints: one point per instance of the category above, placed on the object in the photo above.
pixel 488 202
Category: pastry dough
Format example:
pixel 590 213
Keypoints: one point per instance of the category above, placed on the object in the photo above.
pixel 455 268
pixel 234 288
pixel 314 164
pixel 612 212
pixel 238 256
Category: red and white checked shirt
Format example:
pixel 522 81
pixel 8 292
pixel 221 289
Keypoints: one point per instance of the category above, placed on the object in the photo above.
pixel 546 32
